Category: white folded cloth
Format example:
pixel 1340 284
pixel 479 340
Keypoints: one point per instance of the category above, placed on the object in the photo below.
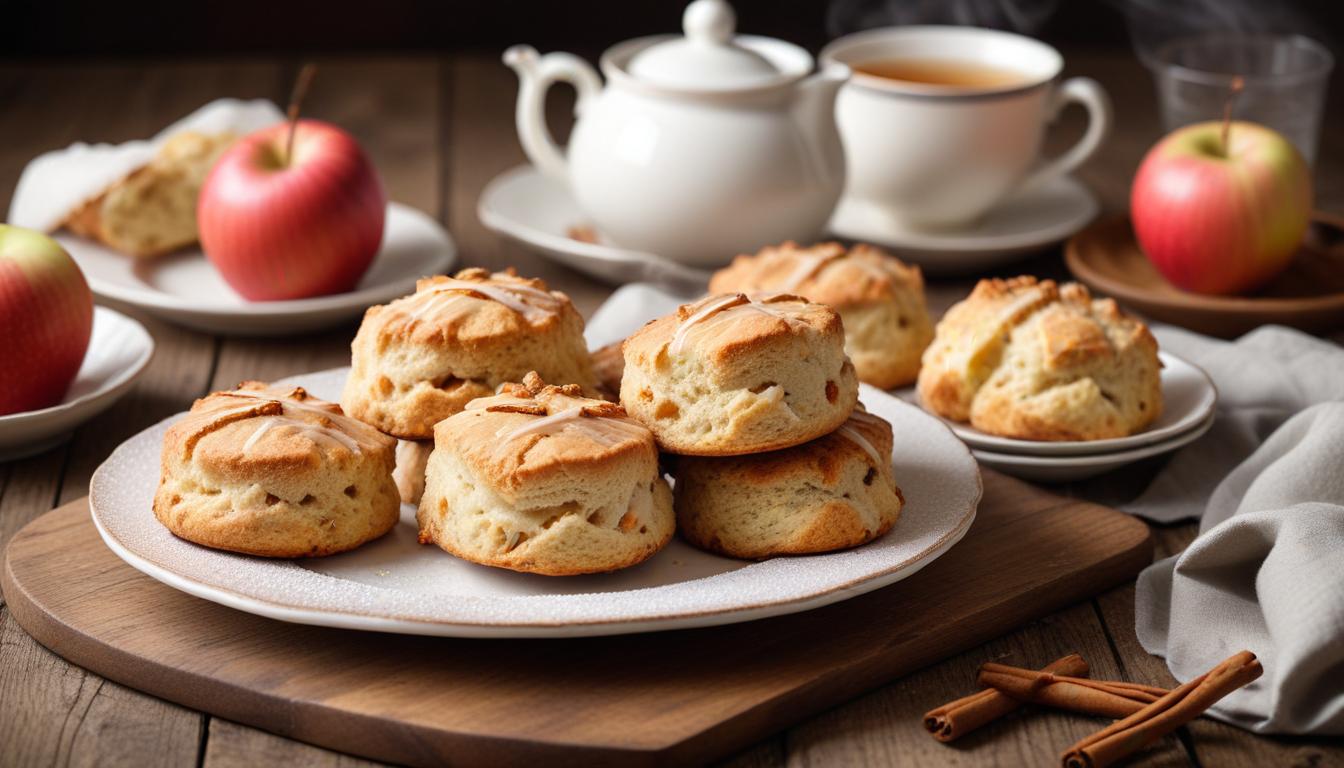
pixel 1266 573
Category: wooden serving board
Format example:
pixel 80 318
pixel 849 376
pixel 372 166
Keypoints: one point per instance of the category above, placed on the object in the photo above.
pixel 668 698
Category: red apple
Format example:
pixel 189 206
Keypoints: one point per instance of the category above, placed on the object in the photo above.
pixel 1217 219
pixel 46 316
pixel 289 225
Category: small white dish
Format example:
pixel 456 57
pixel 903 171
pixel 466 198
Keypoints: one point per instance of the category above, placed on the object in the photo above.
pixel 185 288
pixel 1062 469
pixel 524 205
pixel 1028 221
pixel 119 350
pixel 397 585
pixel 1188 397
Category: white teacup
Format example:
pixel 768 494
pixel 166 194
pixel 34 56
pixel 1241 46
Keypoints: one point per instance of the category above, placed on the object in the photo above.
pixel 942 155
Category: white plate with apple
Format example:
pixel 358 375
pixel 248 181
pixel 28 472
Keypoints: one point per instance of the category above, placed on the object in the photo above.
pixel 119 350
pixel 187 289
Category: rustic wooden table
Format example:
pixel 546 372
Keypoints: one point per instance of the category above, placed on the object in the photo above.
pixel 439 128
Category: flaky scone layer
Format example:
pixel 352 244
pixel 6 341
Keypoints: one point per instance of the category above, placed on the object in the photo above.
pixel 731 375
pixel 422 358
pixel 879 298
pixel 1032 360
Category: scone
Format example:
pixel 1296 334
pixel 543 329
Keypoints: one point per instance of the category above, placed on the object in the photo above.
pixel 544 480
pixel 834 492
pixel 153 211
pixel 1032 360
pixel 879 298
pixel 729 375
pixel 423 357
pixel 275 472
pixel 412 456
pixel 609 367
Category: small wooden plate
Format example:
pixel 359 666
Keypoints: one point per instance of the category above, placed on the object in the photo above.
pixel 1309 295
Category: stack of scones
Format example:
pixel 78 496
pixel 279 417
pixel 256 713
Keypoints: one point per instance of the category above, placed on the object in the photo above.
pixel 515 454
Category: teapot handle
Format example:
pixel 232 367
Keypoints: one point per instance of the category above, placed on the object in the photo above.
pixel 536 74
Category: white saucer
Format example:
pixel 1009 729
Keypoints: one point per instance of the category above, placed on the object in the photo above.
pixel 1188 398
pixel 395 584
pixel 525 206
pixel 1061 469
pixel 1026 222
pixel 186 289
pixel 119 350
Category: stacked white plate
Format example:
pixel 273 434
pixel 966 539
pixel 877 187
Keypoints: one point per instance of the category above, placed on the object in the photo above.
pixel 1188 404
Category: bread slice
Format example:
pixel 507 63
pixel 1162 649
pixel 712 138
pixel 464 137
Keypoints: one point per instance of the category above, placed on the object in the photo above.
pixel 152 211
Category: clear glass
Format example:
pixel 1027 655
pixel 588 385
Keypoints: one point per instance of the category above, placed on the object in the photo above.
pixel 1285 82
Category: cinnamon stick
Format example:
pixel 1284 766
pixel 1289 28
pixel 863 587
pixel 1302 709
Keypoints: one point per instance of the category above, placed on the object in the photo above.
pixel 1062 693
pixel 957 718
pixel 1180 706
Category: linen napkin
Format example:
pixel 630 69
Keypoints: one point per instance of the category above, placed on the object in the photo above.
pixel 1267 570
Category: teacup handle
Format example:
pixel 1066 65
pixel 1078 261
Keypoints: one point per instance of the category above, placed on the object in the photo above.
pixel 536 74
pixel 1090 94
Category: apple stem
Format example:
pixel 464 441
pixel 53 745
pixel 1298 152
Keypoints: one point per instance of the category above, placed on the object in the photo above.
pixel 295 101
pixel 1238 83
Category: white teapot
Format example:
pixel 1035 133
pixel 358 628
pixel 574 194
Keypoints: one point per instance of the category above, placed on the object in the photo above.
pixel 699 147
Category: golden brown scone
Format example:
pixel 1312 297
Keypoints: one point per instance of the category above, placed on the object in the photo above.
pixel 728 375
pixel 275 472
pixel 152 211
pixel 832 493
pixel 609 367
pixel 423 357
pixel 1032 360
pixel 879 298
pixel 544 480
pixel 412 456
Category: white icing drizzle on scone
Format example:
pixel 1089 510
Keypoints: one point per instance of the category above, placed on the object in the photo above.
pixel 719 309
pixel 444 297
pixel 856 437
pixel 606 430
pixel 338 432
pixel 809 264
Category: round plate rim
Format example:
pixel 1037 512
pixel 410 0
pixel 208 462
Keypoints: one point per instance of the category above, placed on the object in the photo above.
pixel 1007 445
pixel 161 301
pixel 569 628
pixel 1090 460
pixel 964 244
pixel 656 267
pixel 1194 303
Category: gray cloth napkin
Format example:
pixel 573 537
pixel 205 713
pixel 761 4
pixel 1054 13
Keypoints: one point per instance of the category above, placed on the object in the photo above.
pixel 1267 570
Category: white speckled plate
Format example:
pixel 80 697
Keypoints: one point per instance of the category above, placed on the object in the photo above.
pixel 397 585
pixel 1188 400
pixel 185 288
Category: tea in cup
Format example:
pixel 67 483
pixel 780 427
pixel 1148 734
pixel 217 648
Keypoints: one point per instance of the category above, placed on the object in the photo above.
pixel 941 123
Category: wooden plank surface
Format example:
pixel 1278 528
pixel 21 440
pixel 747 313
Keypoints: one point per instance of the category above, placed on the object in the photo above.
pixel 696 694
pixel 69 716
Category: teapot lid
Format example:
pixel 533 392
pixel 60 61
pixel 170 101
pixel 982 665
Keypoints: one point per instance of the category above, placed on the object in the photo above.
pixel 707 57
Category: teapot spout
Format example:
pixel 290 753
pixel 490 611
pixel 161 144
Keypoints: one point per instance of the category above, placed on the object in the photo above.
pixel 814 114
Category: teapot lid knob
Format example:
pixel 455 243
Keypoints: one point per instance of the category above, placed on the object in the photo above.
pixel 710 21
pixel 708 57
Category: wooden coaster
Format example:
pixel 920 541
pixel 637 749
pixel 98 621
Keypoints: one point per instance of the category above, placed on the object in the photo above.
pixel 1309 295
pixel 668 698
